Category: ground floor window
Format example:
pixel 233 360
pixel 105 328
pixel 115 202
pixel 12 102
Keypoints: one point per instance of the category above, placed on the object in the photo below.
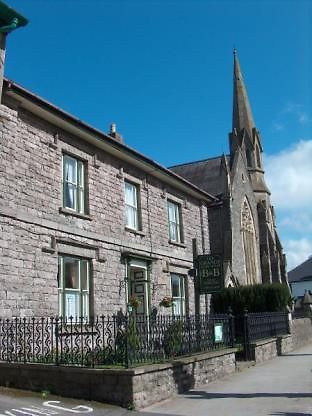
pixel 74 287
pixel 178 294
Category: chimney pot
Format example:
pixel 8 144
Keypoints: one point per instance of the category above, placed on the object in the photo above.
pixel 113 128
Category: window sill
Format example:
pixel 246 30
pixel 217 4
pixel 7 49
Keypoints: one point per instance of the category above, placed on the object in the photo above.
pixel 137 232
pixel 67 211
pixel 175 243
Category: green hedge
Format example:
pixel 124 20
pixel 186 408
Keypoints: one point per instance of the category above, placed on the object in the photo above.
pixel 255 298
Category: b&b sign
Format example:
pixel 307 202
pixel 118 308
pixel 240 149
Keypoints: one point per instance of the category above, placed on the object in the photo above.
pixel 210 273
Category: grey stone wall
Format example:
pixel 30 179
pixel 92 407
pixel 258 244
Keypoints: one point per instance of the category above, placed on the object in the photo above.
pixel 140 387
pixel 34 231
pixel 284 344
pixel 301 331
pixel 264 350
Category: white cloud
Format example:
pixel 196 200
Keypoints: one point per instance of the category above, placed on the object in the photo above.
pixel 297 251
pixel 303 117
pixel 278 126
pixel 289 176
pixel 297 110
pixel 299 221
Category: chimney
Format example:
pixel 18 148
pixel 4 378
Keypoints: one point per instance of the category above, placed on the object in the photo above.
pixel 9 21
pixel 114 134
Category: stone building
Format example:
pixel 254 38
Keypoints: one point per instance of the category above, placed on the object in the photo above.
pixel 243 229
pixel 88 222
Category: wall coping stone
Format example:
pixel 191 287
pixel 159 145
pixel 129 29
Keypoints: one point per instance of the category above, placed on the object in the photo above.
pixel 285 336
pixel 263 341
pixel 148 368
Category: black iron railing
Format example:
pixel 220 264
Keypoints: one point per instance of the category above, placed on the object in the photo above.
pixel 251 327
pixel 267 324
pixel 129 340
pixel 116 340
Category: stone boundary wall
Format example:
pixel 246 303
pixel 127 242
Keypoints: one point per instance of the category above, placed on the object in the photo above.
pixel 264 350
pixel 138 387
pixel 301 330
pixel 301 334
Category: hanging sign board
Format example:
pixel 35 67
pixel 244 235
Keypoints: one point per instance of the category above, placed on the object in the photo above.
pixel 209 273
pixel 218 332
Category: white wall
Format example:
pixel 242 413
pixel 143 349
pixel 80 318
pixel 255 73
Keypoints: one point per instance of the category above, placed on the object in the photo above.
pixel 298 288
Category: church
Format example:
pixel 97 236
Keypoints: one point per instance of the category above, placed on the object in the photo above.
pixel 243 228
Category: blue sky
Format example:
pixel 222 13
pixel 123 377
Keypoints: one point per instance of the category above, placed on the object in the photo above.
pixel 162 70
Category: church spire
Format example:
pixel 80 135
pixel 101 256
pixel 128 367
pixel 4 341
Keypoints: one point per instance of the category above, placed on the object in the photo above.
pixel 242 115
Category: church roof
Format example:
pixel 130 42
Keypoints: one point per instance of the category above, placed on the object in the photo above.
pixel 206 174
pixel 242 114
pixel 301 272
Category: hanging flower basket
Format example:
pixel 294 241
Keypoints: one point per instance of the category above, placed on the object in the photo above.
pixel 134 302
pixel 166 302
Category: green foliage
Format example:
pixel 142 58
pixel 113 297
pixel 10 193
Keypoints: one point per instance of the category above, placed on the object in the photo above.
pixel 173 338
pixel 255 298
pixel 128 341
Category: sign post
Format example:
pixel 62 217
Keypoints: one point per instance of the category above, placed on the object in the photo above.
pixel 210 273
pixel 196 280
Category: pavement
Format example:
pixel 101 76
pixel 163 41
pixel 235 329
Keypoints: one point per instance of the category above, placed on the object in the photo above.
pixel 280 387
pixel 23 403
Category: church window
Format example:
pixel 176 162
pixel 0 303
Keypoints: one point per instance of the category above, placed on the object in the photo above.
pixel 248 158
pixel 249 243
pixel 258 157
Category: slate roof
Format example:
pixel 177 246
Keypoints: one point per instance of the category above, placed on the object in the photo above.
pixel 205 174
pixel 242 115
pixel 301 272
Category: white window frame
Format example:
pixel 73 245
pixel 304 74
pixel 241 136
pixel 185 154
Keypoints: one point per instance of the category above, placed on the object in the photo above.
pixel 178 302
pixel 174 222
pixel 132 208
pixel 76 186
pixel 81 295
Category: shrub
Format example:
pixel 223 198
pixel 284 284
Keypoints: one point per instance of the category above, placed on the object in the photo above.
pixel 255 298
pixel 173 337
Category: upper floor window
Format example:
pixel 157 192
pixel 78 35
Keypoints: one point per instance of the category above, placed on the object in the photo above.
pixel 73 184
pixel 174 219
pixel 178 294
pixel 74 287
pixel 132 206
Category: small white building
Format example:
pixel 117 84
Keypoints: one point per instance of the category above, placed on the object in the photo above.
pixel 300 279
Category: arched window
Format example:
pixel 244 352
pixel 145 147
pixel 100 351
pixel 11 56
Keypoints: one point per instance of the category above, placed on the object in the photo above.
pixel 248 158
pixel 258 157
pixel 249 243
